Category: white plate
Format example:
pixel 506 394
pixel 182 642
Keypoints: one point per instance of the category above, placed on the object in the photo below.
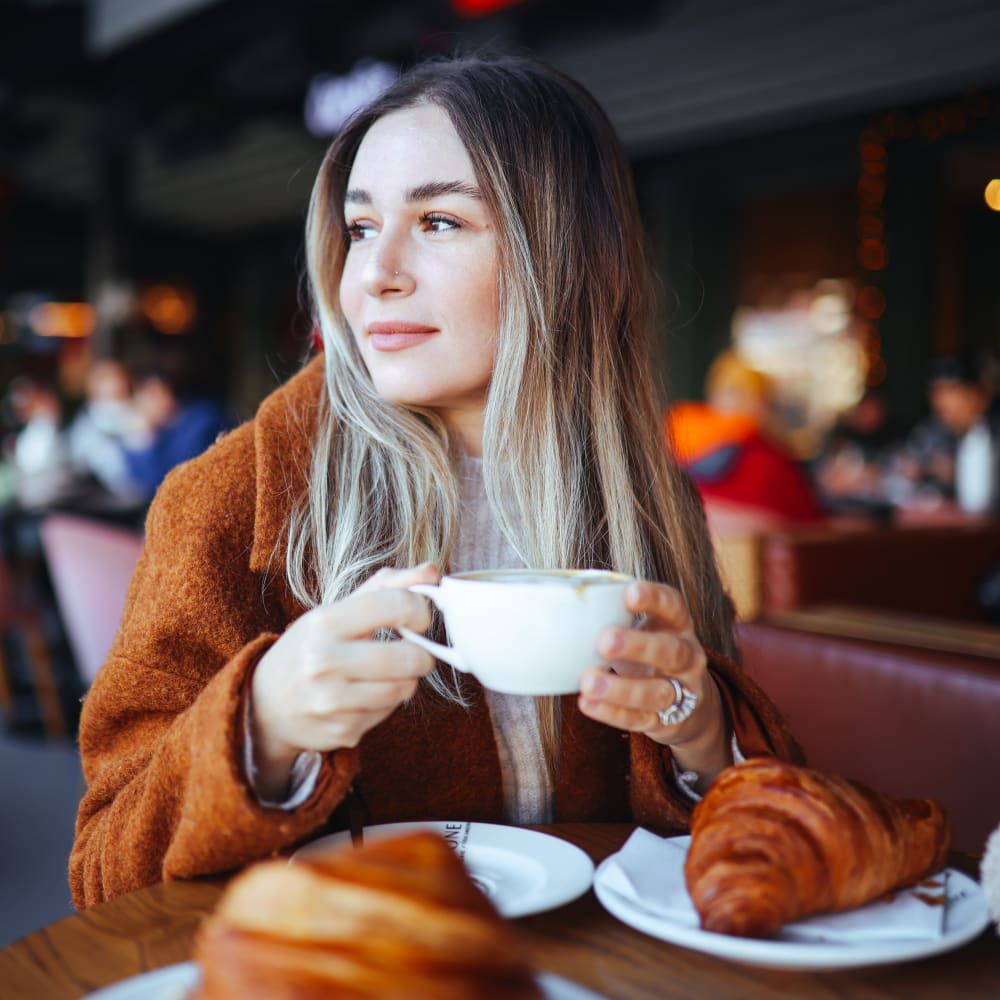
pixel 169 983
pixel 522 871
pixel 174 981
pixel 965 918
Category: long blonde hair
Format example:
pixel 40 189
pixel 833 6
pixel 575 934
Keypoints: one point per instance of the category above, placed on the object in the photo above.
pixel 573 417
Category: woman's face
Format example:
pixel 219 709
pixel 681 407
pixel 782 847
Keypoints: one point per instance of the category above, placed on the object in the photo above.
pixel 419 287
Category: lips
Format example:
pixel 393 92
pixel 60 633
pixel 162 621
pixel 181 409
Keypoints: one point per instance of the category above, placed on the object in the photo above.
pixel 391 335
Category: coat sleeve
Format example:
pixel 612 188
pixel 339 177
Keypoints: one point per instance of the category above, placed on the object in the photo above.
pixel 759 728
pixel 161 728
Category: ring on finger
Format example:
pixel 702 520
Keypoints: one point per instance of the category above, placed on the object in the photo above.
pixel 684 705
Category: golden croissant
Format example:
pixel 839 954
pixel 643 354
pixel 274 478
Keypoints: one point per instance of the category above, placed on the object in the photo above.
pixel 772 843
pixel 398 919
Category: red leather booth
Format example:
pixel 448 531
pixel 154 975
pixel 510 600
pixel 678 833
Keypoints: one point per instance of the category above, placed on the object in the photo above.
pixel 929 570
pixel 905 720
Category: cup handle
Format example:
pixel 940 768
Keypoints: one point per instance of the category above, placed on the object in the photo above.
pixel 446 653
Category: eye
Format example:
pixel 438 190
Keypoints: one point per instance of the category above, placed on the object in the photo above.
pixel 355 232
pixel 438 223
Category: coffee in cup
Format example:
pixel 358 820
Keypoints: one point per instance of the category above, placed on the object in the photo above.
pixel 525 631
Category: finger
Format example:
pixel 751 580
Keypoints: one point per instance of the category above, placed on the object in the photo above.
pixel 629 668
pixel 372 660
pixel 663 604
pixel 361 696
pixel 345 729
pixel 401 578
pixel 361 614
pixel 665 652
pixel 644 695
pixel 629 719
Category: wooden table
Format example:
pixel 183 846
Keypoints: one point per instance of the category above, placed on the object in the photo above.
pixel 897 628
pixel 581 941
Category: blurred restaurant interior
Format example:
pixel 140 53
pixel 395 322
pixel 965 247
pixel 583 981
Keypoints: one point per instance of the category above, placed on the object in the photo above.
pixel 820 184
pixel 157 159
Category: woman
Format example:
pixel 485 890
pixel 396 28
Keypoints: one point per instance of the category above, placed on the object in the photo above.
pixel 484 398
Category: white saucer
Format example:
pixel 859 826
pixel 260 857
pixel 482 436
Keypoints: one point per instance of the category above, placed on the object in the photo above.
pixel 169 983
pixel 965 918
pixel 521 871
pixel 174 981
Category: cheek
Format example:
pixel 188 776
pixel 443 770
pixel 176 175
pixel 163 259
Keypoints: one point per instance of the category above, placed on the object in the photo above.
pixel 484 302
pixel 486 341
pixel 480 328
pixel 351 305
pixel 348 294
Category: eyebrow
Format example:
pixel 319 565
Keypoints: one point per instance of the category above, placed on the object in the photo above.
pixel 423 192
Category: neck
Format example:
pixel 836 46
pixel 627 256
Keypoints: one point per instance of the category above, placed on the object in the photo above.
pixel 466 429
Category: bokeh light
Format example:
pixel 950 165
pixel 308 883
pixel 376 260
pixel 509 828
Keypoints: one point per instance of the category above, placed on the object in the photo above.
pixel 992 194
pixel 171 310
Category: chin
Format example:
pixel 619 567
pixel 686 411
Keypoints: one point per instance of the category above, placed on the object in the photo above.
pixel 407 392
pixel 392 391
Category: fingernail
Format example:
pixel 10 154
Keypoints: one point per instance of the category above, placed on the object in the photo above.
pixel 596 684
pixel 634 593
pixel 611 643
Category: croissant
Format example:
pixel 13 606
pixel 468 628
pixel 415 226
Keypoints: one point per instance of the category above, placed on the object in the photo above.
pixel 398 918
pixel 772 843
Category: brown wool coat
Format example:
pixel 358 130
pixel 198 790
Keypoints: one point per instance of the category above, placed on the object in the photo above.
pixel 160 733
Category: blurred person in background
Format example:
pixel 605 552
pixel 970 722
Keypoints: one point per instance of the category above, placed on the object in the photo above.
pixel 850 469
pixel 97 435
pixel 177 416
pixel 725 447
pixel 37 452
pixel 952 455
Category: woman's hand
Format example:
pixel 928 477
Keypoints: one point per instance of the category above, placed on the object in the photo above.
pixel 326 681
pixel 631 694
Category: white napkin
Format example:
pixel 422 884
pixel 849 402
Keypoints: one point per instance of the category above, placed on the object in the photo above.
pixel 649 872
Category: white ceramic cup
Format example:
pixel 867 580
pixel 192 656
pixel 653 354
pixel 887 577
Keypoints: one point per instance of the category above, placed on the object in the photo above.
pixel 525 631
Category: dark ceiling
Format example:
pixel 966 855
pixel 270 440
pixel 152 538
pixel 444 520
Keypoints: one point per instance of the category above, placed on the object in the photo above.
pixel 207 109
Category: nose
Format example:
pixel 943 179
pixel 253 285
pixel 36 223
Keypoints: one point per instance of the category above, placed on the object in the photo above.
pixel 386 271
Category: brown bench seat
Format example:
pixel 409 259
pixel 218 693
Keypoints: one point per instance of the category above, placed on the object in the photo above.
pixel 903 719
